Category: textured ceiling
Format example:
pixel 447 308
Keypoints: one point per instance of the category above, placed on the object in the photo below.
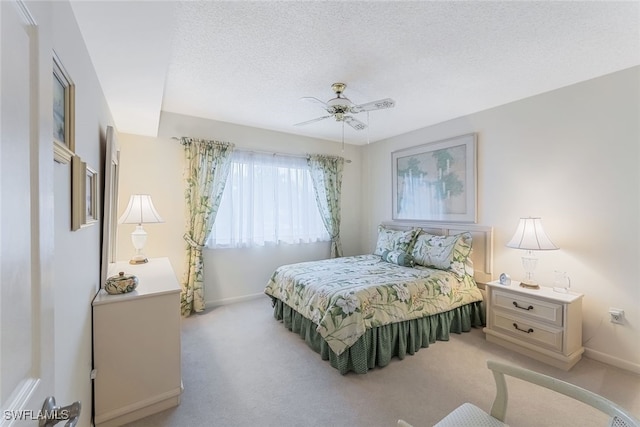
pixel 250 62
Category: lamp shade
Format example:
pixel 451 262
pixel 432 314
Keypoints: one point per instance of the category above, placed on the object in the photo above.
pixel 531 236
pixel 140 210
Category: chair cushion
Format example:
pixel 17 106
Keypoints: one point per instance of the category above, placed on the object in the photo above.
pixel 468 415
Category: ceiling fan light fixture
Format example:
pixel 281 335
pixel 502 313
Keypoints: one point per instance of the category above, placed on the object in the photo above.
pixel 340 103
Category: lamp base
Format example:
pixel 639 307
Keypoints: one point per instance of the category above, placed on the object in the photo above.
pixel 138 238
pixel 529 285
pixel 529 262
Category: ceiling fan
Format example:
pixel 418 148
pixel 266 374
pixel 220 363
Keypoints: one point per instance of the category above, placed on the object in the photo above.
pixel 341 107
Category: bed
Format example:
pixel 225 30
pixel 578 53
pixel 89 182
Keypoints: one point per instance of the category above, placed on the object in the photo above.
pixel 359 312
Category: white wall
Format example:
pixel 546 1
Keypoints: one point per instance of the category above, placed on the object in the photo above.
pixel 572 157
pixel 76 253
pixel 155 166
pixel 66 263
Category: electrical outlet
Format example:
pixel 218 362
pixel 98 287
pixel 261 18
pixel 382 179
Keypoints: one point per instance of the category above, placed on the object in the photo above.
pixel 617 315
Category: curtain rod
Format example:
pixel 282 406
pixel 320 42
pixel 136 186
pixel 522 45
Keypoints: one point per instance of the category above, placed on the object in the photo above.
pixel 301 156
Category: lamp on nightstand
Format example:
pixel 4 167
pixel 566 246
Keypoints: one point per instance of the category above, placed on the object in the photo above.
pixel 140 210
pixel 530 236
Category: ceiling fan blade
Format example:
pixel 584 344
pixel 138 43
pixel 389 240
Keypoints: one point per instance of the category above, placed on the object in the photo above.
pixel 312 121
pixel 354 123
pixel 375 105
pixel 315 101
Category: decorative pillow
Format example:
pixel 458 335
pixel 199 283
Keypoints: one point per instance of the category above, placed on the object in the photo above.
pixel 462 263
pixel 398 257
pixel 450 253
pixel 394 240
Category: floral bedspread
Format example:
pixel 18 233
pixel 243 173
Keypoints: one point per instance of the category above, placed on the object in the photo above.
pixel 346 296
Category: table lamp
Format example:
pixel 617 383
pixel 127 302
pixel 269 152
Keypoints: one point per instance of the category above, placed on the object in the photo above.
pixel 530 236
pixel 140 210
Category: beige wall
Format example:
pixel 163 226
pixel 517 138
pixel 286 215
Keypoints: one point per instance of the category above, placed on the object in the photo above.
pixel 572 157
pixel 155 165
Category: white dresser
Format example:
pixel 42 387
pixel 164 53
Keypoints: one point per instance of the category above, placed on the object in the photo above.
pixel 136 345
pixel 540 323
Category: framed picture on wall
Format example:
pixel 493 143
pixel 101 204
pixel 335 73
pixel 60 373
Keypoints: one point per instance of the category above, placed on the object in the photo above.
pixel 91 196
pixel 63 113
pixel 78 184
pixel 436 181
pixel 84 194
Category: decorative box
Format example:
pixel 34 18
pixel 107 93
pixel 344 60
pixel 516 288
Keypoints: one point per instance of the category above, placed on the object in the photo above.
pixel 121 284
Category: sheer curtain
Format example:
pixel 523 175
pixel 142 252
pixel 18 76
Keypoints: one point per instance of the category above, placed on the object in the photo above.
pixel 268 199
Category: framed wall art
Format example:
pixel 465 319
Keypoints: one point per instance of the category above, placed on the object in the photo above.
pixel 84 194
pixel 78 183
pixel 63 113
pixel 436 181
pixel 91 196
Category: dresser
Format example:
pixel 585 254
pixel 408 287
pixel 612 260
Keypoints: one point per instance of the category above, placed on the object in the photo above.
pixel 539 323
pixel 136 345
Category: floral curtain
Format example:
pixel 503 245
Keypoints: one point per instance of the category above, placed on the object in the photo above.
pixel 206 170
pixel 326 173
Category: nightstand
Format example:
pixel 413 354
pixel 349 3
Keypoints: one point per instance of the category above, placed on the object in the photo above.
pixel 539 323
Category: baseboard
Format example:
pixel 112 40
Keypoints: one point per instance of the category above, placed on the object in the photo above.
pixel 119 416
pixel 610 360
pixel 233 300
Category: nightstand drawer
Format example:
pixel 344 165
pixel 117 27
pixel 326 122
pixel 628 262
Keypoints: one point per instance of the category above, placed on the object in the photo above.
pixel 527 330
pixel 529 308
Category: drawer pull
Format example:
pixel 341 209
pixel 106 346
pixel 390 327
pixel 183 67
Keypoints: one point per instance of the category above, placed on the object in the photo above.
pixel 530 330
pixel 522 308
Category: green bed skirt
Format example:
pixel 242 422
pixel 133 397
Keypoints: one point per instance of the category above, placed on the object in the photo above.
pixel 378 345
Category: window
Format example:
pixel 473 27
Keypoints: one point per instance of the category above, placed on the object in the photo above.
pixel 268 199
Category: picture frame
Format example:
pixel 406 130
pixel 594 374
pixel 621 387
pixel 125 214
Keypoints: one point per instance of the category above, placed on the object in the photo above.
pixel 91 208
pixel 63 110
pixel 84 194
pixel 436 181
pixel 78 199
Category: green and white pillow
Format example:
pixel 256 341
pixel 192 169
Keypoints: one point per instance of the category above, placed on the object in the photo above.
pixel 394 240
pixel 449 253
pixel 398 257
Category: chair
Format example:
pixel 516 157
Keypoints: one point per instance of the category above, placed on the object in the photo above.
pixel 468 415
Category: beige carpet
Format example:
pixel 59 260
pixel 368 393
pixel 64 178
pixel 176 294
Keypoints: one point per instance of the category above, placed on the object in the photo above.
pixel 240 367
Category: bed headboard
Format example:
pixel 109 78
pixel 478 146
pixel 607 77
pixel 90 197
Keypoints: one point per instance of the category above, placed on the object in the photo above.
pixel 482 255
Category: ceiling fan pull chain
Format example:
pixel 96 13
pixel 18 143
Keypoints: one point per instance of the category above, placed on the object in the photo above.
pixel 343 137
pixel 368 127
